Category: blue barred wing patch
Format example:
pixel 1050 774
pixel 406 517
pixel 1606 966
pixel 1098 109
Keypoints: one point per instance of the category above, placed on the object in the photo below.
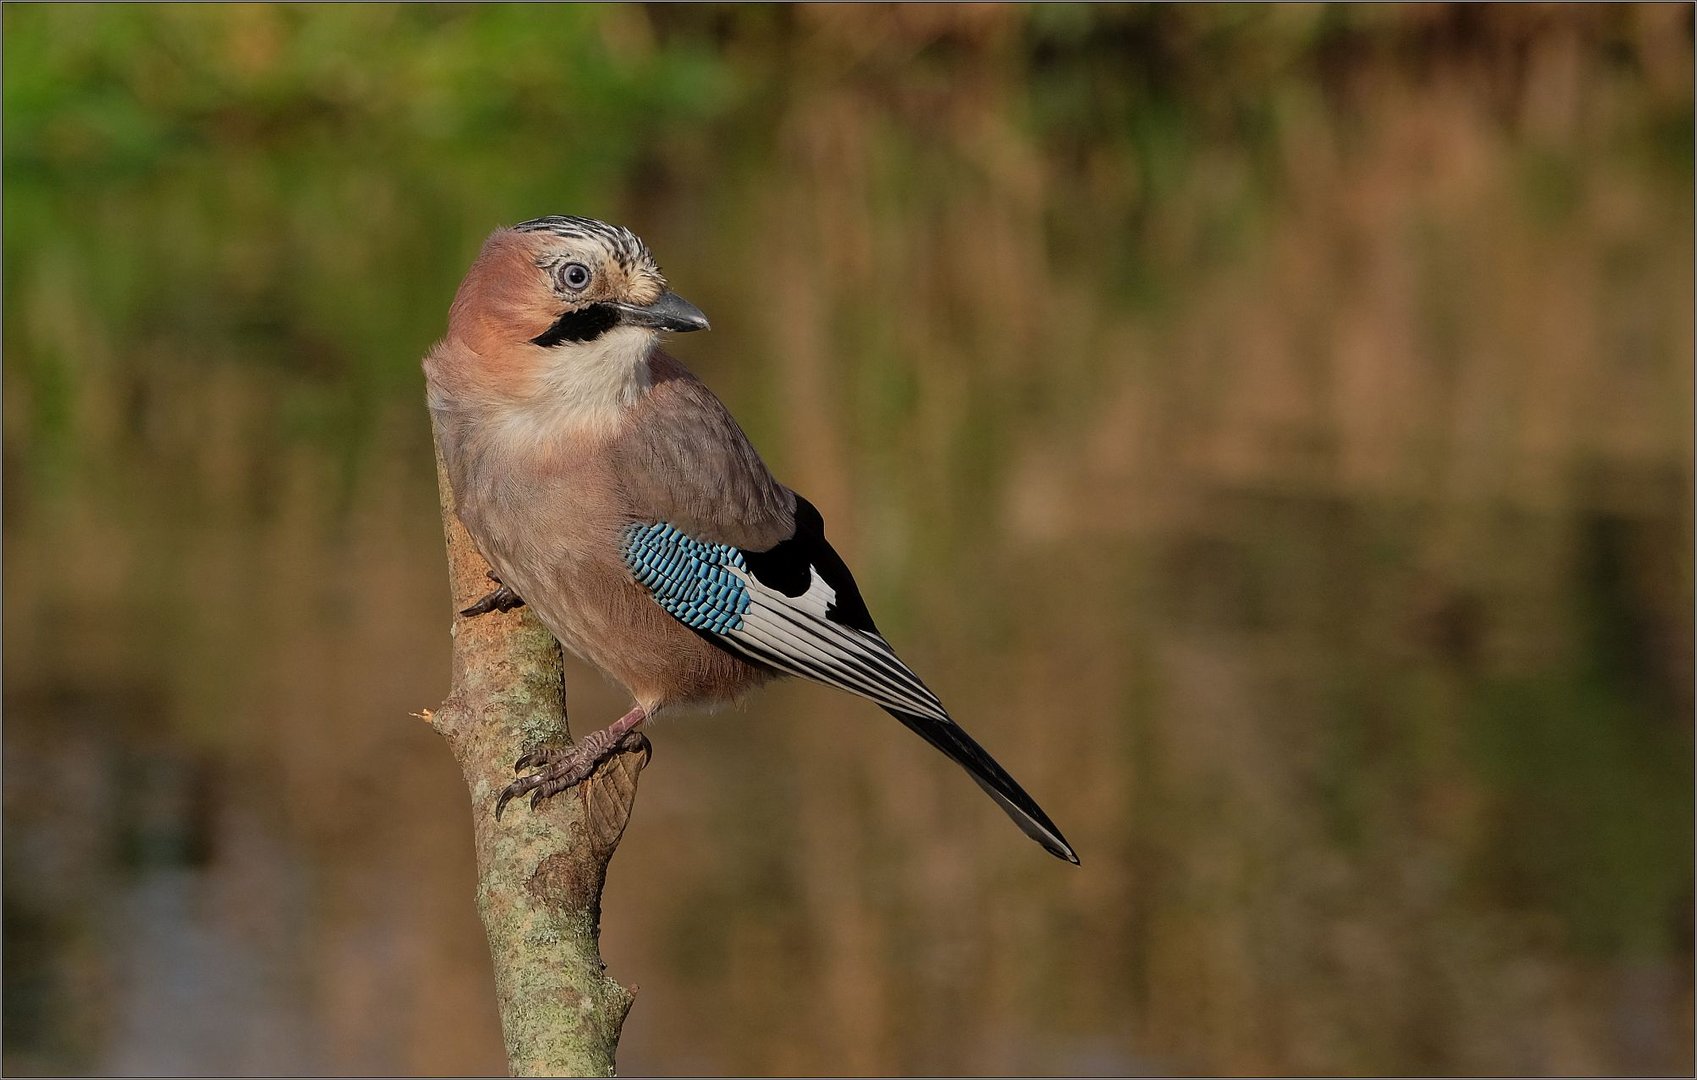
pixel 691 579
pixel 776 608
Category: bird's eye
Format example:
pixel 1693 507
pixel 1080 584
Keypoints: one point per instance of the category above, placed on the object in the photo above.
pixel 574 275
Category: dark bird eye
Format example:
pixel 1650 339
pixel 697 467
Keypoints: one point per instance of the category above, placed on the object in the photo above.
pixel 575 275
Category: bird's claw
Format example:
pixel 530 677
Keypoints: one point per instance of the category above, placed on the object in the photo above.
pixel 532 760
pixel 560 769
pixel 502 599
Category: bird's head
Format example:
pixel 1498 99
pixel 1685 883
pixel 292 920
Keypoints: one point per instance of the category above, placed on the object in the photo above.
pixel 564 306
pixel 562 280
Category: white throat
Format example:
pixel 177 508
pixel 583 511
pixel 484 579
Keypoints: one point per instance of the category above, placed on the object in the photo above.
pixel 590 384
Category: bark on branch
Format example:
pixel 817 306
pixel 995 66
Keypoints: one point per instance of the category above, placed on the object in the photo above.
pixel 539 874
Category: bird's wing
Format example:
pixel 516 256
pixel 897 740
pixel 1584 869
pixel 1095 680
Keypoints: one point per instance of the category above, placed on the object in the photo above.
pixel 731 552
pixel 794 607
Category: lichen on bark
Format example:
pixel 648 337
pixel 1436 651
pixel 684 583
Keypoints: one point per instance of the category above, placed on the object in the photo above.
pixel 539 873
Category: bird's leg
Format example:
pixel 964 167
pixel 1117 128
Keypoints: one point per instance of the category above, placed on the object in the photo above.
pixel 559 769
pixel 502 599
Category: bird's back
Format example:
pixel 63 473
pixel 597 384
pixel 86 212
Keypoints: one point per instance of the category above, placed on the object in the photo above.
pixel 683 459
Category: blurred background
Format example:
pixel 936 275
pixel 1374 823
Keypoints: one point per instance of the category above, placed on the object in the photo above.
pixel 1270 429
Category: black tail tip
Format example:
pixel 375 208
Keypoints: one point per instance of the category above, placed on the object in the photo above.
pixel 1061 850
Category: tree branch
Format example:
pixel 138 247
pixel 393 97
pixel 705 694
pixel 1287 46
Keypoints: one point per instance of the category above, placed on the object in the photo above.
pixel 539 873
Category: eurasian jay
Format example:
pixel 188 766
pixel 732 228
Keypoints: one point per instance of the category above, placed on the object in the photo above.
pixel 613 493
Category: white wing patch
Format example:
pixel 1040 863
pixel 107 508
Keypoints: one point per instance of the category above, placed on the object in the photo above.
pixel 796 635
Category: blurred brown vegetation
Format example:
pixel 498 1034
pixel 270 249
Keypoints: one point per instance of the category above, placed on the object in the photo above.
pixel 1270 429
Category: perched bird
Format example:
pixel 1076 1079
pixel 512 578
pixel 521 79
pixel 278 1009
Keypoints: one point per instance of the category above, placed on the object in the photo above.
pixel 613 493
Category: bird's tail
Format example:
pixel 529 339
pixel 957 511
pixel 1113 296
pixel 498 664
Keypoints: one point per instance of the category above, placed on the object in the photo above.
pixel 948 737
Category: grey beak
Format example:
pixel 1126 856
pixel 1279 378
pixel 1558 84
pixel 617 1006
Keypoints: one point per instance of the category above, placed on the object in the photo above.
pixel 669 312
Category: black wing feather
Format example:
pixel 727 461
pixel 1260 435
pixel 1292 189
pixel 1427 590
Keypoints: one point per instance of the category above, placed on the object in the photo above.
pixel 789 567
